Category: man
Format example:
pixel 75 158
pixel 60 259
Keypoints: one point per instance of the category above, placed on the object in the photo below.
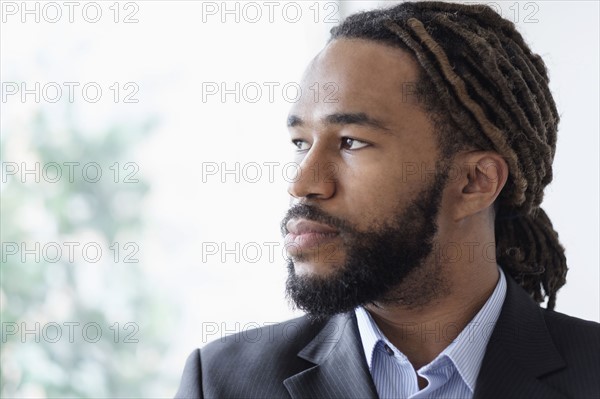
pixel 416 242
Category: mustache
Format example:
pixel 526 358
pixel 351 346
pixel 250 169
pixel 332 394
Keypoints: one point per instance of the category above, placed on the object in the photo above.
pixel 315 214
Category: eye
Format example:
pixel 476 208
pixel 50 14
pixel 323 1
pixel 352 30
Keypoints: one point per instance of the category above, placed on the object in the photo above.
pixel 300 145
pixel 352 144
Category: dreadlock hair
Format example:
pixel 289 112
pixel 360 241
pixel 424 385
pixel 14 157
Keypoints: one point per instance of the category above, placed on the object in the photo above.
pixel 485 89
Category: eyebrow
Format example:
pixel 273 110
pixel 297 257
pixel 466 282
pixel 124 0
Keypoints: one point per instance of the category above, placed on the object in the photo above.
pixel 357 118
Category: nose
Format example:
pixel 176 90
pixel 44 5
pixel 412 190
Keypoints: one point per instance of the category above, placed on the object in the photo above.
pixel 316 176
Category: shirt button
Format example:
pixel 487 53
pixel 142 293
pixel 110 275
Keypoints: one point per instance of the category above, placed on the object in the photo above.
pixel 389 350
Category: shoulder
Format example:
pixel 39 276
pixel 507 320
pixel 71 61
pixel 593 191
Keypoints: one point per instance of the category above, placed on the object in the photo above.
pixel 563 323
pixel 284 338
pixel 578 342
pixel 255 362
pixel 574 336
pixel 546 346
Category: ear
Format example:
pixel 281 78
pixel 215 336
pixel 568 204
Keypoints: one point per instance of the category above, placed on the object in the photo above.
pixel 481 177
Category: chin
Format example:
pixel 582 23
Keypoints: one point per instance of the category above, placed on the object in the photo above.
pixel 322 260
pixel 309 268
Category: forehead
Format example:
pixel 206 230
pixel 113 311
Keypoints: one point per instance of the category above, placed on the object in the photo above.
pixel 358 75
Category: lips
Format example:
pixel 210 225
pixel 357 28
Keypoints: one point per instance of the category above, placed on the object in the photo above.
pixel 303 226
pixel 305 234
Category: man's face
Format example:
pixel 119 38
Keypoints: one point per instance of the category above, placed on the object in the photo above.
pixel 365 203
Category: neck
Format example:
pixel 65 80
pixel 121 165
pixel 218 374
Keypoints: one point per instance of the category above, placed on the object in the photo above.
pixel 421 333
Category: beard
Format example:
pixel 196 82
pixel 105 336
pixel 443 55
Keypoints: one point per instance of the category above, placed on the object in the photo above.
pixel 383 265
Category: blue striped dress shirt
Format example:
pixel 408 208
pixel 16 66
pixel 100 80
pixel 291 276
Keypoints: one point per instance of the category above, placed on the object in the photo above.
pixel 452 374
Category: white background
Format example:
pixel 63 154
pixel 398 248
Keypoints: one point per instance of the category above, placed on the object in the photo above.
pixel 171 52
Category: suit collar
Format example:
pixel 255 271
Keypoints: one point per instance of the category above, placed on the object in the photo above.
pixel 340 369
pixel 519 352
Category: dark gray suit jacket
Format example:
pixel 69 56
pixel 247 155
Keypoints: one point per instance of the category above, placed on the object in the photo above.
pixel 532 353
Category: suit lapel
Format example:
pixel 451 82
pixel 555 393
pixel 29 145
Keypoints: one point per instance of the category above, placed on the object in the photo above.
pixel 519 352
pixel 340 369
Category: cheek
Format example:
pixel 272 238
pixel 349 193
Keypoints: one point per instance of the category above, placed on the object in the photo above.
pixel 373 194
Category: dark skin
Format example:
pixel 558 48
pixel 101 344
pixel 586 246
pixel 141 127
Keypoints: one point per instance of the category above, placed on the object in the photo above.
pixel 354 155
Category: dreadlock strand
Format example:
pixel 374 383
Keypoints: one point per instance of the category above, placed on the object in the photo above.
pixel 459 118
pixel 544 98
pixel 482 48
pixel 492 131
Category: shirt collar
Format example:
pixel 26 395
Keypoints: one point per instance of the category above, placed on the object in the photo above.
pixel 466 351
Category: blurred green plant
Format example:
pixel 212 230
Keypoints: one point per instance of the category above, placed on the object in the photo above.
pixel 125 360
